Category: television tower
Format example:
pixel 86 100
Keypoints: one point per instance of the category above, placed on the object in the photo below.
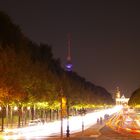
pixel 69 63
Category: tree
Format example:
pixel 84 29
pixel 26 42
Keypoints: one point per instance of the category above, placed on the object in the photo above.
pixel 135 98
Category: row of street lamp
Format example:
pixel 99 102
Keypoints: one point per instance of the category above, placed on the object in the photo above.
pixel 5 109
pixel 65 113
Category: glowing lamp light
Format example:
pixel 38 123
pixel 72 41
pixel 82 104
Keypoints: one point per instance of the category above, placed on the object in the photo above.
pixel 15 108
pixel 28 108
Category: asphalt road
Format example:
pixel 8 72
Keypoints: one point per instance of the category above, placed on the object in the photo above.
pixel 99 132
pixel 96 132
pixel 108 134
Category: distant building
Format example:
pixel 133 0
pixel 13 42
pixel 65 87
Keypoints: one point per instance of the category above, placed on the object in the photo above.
pixel 121 100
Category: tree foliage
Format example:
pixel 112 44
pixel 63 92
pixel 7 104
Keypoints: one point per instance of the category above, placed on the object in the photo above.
pixel 30 74
pixel 135 98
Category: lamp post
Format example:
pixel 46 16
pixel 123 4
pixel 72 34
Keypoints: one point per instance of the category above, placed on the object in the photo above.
pixel 61 122
pixel 61 109
pixel 64 113
pixel 82 124
pixel 68 130
pixel 82 112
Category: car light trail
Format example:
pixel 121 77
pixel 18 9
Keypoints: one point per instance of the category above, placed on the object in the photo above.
pixel 126 123
pixel 53 128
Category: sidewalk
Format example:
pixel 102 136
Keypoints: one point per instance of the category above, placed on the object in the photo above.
pixel 91 133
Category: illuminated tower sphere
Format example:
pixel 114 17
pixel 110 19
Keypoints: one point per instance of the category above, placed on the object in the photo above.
pixel 69 63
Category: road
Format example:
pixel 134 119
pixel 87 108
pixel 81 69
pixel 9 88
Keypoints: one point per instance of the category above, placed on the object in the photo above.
pixel 108 134
pixel 126 123
pixel 53 128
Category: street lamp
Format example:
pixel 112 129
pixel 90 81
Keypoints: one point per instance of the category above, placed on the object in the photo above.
pixel 63 110
pixel 68 130
pixel 82 112
pixel 61 120
pixel 15 108
pixel 64 113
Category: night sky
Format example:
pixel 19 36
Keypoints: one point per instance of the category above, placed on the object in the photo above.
pixel 105 36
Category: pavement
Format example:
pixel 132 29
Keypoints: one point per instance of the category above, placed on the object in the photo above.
pixel 97 132
pixel 91 133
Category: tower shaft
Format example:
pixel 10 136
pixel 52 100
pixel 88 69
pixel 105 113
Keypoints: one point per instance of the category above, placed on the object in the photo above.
pixel 69 49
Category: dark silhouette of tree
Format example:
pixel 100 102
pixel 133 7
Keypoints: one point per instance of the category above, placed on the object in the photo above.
pixel 10 34
pixel 135 98
pixel 29 73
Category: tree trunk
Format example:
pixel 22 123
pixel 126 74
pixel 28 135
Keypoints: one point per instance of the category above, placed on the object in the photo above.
pixel 57 114
pixel 19 116
pixel 50 115
pixel 32 113
pixel 2 119
pixel 25 116
pixel 22 115
pixel 46 115
pixel 11 116
pixel 41 113
pixel 7 116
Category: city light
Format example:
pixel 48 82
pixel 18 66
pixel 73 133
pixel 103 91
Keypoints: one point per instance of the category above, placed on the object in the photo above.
pixel 15 108
pixel 53 128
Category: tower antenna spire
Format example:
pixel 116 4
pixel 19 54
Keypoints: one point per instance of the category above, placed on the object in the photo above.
pixel 69 64
pixel 69 48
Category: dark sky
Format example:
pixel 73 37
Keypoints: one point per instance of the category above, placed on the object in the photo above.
pixel 105 36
